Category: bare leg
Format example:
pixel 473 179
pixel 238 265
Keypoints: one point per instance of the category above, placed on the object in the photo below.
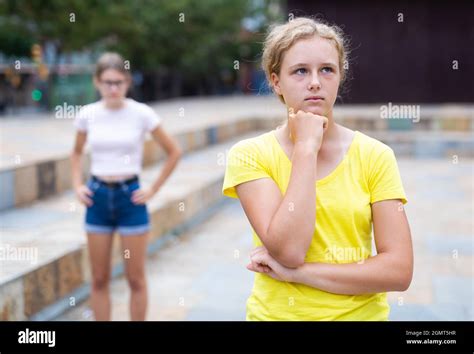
pixel 100 247
pixel 134 253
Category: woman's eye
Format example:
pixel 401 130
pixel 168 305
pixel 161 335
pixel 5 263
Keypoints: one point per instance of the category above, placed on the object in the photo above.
pixel 300 71
pixel 327 69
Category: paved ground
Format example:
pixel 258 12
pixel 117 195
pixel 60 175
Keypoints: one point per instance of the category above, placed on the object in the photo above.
pixel 198 276
pixel 441 214
pixel 202 275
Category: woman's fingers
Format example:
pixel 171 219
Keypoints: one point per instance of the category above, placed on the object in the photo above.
pixel 85 200
pixel 254 258
pixel 325 124
pixel 138 197
pixel 256 250
pixel 260 261
pixel 83 193
pixel 255 267
pixel 88 192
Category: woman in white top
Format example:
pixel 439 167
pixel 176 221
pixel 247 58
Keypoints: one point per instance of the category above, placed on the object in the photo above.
pixel 115 128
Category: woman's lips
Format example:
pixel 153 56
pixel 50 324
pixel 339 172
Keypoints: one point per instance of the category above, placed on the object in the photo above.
pixel 314 99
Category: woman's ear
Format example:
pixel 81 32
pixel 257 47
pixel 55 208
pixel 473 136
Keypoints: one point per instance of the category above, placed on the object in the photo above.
pixel 275 80
pixel 96 82
pixel 129 81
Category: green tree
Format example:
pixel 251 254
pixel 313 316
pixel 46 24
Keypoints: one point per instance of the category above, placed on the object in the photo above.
pixel 193 41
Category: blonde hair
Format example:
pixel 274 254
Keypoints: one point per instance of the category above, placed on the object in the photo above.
pixel 281 37
pixel 110 60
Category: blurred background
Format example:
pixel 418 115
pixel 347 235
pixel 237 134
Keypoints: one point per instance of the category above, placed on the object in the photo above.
pixel 197 64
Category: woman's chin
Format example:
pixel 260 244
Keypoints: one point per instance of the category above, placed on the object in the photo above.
pixel 319 110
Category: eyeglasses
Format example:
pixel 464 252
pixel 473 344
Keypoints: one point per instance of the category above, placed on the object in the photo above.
pixel 109 83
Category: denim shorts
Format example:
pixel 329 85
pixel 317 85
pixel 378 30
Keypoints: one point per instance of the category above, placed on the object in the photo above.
pixel 113 210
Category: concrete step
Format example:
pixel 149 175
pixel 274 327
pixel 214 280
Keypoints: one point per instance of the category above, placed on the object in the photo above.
pixel 34 158
pixel 433 144
pixel 44 255
pixel 46 176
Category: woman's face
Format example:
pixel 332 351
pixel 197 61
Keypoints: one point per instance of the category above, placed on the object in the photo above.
pixel 112 85
pixel 309 76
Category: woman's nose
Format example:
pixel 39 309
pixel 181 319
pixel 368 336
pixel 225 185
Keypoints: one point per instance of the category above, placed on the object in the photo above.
pixel 314 83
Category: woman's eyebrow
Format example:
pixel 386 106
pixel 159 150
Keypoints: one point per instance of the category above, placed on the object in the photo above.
pixel 305 64
pixel 328 64
pixel 298 65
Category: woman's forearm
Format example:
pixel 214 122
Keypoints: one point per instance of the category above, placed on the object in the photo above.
pixel 76 167
pixel 169 166
pixel 292 226
pixel 381 273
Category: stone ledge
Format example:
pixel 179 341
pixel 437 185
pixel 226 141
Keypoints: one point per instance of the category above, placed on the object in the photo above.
pixel 65 267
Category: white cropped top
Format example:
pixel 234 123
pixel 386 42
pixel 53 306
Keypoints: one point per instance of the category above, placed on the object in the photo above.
pixel 116 137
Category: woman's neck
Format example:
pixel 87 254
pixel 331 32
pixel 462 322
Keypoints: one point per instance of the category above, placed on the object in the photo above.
pixel 114 105
pixel 331 135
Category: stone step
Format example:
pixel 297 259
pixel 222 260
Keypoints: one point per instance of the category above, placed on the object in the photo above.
pixel 44 257
pixel 40 179
pixel 34 159
pixel 433 144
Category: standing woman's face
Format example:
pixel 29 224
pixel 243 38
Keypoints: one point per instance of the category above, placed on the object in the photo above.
pixel 112 86
pixel 310 69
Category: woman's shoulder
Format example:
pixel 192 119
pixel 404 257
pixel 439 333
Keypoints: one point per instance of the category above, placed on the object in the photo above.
pixel 88 113
pixel 369 145
pixel 257 144
pixel 90 107
pixel 139 106
pixel 373 153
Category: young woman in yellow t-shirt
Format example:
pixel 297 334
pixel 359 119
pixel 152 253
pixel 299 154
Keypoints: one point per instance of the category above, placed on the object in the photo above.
pixel 312 189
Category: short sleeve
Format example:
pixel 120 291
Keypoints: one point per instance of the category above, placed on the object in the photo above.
pixel 384 177
pixel 151 119
pixel 82 119
pixel 244 163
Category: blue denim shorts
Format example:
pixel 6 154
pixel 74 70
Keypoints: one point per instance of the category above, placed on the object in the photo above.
pixel 113 210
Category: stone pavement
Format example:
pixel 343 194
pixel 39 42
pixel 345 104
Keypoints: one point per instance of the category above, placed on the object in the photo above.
pixel 202 276
pixel 440 209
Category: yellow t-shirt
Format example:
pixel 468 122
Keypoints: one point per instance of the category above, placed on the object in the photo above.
pixel 343 233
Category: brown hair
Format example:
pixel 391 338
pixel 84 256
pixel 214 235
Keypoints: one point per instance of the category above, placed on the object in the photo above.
pixel 111 60
pixel 281 37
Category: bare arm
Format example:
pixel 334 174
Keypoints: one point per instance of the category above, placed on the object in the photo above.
pixel 173 152
pixel 76 158
pixel 284 224
pixel 82 192
pixel 390 270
